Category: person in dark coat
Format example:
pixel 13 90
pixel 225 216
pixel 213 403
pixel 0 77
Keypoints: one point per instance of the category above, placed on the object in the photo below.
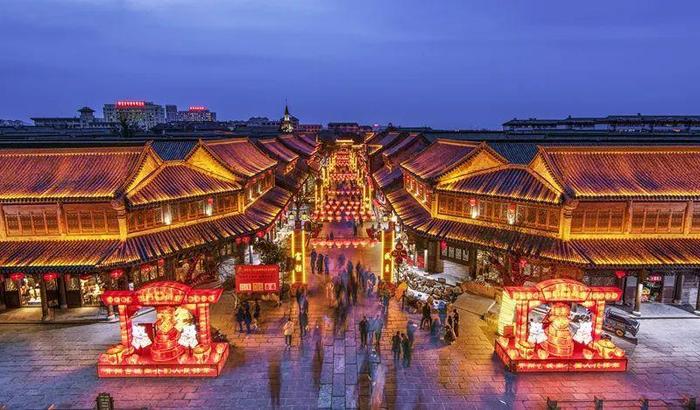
pixel 319 263
pixel 455 322
pixel 313 261
pixel 396 346
pixel 256 310
pixel 240 317
pixel 406 347
pixel 248 318
pixel 426 319
pixel 364 328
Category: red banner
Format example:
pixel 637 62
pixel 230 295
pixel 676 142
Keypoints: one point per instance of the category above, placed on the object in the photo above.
pixel 257 278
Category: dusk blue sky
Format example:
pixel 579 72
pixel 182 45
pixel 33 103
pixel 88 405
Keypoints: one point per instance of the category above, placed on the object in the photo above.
pixel 445 64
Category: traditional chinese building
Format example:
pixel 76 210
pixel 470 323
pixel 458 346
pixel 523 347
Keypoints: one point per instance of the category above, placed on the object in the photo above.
pixel 76 221
pixel 608 215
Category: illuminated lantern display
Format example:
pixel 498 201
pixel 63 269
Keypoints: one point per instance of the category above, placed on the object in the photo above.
pixel 178 344
pixel 50 276
pixel 620 274
pixel 298 254
pixel 387 239
pixel 17 276
pixel 473 208
pixel 524 348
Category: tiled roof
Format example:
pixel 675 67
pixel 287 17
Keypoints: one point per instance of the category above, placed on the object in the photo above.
pixel 515 152
pixel 592 253
pixel 241 156
pixel 298 145
pixel 626 172
pixel 173 150
pixel 384 138
pixel 277 150
pixel 440 157
pixel 417 218
pixel 635 252
pixel 385 176
pixel 510 181
pixel 54 173
pixel 308 139
pixel 401 145
pixel 38 254
pixel 178 180
pixel 151 246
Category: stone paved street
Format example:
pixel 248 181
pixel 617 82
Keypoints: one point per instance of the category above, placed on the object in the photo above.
pixel 49 364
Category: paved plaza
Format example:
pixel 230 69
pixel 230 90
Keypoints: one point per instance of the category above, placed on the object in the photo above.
pixel 43 365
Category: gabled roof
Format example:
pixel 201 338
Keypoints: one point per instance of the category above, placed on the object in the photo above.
pixel 277 150
pixel 625 172
pixel 298 145
pixel 177 180
pixel 508 181
pixel 240 155
pixel 53 173
pixel 439 157
pixel 173 150
pixel 308 139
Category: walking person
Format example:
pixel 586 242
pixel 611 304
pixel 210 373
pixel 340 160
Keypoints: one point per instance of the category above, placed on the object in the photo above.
pixel 411 331
pixel 256 310
pixel 396 346
pixel 455 322
pixel 426 319
pixel 319 263
pixel 364 328
pixel 378 326
pixel 303 321
pixel 240 317
pixel 314 255
pixel 406 347
pixel 247 318
pixel 288 329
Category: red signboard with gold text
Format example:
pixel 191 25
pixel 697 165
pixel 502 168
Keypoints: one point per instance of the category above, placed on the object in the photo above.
pixel 257 278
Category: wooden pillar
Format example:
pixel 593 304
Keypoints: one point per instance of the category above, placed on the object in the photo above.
pixel 472 262
pixel 62 298
pixel 124 326
pixel 678 288
pixel 434 263
pixel 697 298
pixel 44 300
pixel 3 306
pixel 638 294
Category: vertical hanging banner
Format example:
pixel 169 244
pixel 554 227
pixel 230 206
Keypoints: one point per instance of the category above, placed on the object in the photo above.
pixel 257 278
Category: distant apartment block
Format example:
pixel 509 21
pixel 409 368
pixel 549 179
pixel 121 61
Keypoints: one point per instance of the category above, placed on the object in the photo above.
pixel 141 114
pixel 615 123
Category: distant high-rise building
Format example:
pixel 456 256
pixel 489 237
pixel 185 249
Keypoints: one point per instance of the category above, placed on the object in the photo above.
pixel 196 113
pixel 170 113
pixel 141 114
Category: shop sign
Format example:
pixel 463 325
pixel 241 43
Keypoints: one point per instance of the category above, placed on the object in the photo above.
pixel 655 278
pixel 257 278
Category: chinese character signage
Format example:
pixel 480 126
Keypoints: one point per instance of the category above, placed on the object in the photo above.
pixel 257 278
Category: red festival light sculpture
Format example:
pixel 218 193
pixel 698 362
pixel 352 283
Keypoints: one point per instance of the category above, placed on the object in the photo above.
pixel 527 345
pixel 178 344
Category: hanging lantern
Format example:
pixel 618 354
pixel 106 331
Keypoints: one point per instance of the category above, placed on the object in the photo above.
pixel 17 276
pixel 443 245
pixel 510 214
pixel 145 267
pixel 116 273
pixel 50 276
pixel 620 274
pixel 238 240
pixel 246 240
pixel 522 262
pixel 260 234
pixel 85 276
pixel 474 208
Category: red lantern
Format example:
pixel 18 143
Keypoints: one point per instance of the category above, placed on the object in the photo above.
pixel 443 245
pixel 472 202
pixel 260 234
pixel 238 240
pixel 17 276
pixel 85 276
pixel 522 262
pixel 620 274
pixel 210 201
pixel 116 273
pixel 146 267
pixel 246 240
pixel 50 276
pixel 161 262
